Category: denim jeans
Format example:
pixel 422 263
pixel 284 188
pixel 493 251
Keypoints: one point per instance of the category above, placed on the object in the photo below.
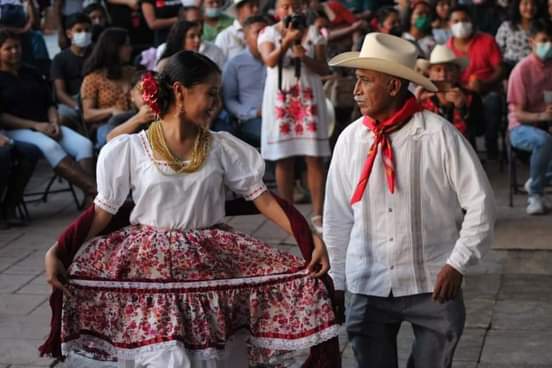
pixel 114 121
pixel 539 143
pixel 250 131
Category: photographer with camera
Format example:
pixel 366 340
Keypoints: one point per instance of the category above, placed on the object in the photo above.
pixel 294 107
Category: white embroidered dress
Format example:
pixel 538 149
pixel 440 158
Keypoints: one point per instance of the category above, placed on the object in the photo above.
pixel 175 287
pixel 295 120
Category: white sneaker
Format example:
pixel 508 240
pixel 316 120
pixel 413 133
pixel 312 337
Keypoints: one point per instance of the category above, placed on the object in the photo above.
pixel 535 205
pixel 546 201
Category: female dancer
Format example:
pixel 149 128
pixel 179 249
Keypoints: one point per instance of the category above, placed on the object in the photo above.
pixel 175 289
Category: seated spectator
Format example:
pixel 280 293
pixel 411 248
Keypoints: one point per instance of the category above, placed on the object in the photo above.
pixel 417 26
pixel 513 35
pixel 29 114
pixel 441 28
pixel 139 117
pixel 105 90
pixel 484 72
pixel 215 21
pixel 457 105
pixel 160 16
pixel 530 118
pixel 231 40
pixel 99 19
pixel 388 21
pixel 18 16
pixel 187 36
pixel 17 163
pixel 243 84
pixel 190 14
pixel 66 70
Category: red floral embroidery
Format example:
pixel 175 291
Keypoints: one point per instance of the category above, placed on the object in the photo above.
pixel 296 112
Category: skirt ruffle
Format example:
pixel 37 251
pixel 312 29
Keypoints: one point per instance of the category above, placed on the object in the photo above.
pixel 141 288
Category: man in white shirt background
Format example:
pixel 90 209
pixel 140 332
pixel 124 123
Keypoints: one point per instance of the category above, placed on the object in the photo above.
pixel 232 40
pixel 408 207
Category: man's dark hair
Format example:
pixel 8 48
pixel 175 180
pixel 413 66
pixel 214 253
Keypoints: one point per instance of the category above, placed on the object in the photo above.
pixel 255 19
pixel 540 26
pixel 77 18
pixel 461 8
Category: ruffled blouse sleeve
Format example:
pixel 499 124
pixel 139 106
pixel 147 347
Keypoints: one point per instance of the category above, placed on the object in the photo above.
pixel 113 174
pixel 243 167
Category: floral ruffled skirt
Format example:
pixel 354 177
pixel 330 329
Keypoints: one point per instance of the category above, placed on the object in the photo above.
pixel 140 289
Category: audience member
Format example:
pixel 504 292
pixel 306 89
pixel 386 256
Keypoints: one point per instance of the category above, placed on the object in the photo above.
pixel 417 26
pixel 441 27
pixel 294 113
pixel 160 16
pixel 215 21
pixel 29 114
pixel 513 35
pixel 457 105
pixel 484 72
pixel 187 36
pixel 127 14
pixel 98 18
pixel 243 82
pixel 530 118
pixel 388 21
pixel 17 163
pixel 105 90
pixel 139 117
pixel 66 70
pixel 231 40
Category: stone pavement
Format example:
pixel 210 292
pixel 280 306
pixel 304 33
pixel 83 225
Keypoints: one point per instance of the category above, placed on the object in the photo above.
pixel 508 296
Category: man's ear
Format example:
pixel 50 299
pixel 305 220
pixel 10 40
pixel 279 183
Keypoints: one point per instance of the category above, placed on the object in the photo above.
pixel 395 86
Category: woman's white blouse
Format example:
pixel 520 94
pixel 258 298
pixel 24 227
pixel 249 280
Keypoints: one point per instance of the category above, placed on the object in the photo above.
pixel 187 201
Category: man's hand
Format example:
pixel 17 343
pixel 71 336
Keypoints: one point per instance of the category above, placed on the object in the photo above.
pixel 448 284
pixel 339 307
pixel 456 97
pixel 298 51
pixel 45 128
pixel 4 141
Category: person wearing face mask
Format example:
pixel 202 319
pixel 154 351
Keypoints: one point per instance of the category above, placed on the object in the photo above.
pixel 530 118
pixel 418 28
pixel 484 72
pixel 214 21
pixel 66 70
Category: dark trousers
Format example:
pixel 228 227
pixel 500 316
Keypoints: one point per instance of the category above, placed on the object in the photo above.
pixel 374 322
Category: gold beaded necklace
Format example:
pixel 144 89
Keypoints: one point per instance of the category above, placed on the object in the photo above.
pixel 159 145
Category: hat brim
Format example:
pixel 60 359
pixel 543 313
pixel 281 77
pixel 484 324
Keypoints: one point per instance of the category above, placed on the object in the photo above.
pixel 462 62
pixel 352 59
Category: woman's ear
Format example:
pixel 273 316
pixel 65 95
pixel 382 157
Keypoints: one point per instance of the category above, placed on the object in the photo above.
pixel 179 92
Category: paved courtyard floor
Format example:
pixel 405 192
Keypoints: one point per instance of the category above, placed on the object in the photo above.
pixel 508 296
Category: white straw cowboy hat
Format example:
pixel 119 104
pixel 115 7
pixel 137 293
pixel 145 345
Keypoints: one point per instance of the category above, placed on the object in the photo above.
pixel 443 55
pixel 232 5
pixel 385 54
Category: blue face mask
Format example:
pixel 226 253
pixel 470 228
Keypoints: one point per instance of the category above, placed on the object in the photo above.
pixel 544 50
pixel 212 12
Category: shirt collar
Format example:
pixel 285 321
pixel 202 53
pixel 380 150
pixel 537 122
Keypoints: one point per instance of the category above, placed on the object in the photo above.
pixel 237 25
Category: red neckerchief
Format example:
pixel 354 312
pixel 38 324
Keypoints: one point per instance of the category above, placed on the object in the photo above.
pixel 381 132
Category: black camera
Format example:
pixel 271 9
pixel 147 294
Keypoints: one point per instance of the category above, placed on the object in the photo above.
pixel 296 21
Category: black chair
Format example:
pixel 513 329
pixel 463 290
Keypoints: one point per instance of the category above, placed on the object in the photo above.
pixel 42 196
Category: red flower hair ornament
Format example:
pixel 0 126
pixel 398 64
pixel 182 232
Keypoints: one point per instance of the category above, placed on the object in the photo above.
pixel 150 91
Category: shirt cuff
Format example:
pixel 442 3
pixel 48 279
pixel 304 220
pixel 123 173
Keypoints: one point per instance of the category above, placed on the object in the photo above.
pixel 105 205
pixel 256 192
pixel 338 280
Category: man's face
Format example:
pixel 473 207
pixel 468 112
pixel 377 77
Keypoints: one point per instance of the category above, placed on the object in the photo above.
pixel 248 9
pixel 78 28
pixel 251 35
pixel 446 72
pixel 459 16
pixel 372 92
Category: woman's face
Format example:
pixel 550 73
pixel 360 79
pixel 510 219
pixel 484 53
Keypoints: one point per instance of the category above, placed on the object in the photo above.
pixel 421 10
pixel 125 52
pixel 287 7
pixel 527 9
pixel 202 101
pixel 192 41
pixel 98 18
pixel 10 52
pixel 442 9
pixel 392 21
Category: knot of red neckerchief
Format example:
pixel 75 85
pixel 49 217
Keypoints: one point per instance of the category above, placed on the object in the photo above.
pixel 381 131
pixel 150 91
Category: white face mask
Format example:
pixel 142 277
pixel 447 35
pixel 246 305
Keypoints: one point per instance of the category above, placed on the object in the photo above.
pixel 82 39
pixel 462 29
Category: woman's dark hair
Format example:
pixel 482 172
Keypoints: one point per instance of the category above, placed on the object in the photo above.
pixel 8 35
pixel 93 7
pixel 514 15
pixel 407 16
pixel 384 12
pixel 176 37
pixel 186 67
pixel 105 54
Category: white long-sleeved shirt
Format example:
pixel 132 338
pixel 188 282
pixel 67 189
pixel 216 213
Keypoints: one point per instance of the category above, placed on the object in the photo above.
pixel 399 242
pixel 231 40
